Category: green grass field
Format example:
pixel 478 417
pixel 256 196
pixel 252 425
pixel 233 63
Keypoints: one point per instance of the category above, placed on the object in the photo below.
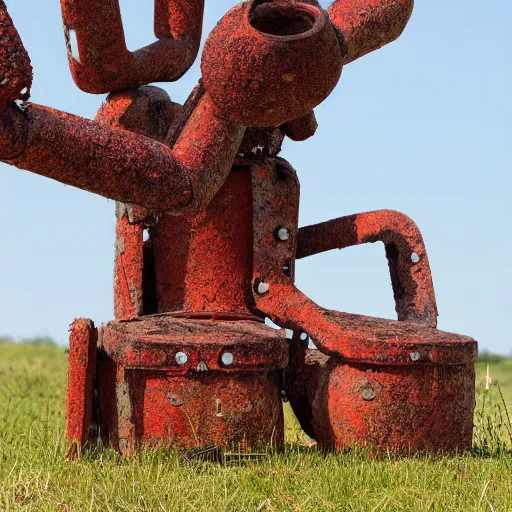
pixel 34 474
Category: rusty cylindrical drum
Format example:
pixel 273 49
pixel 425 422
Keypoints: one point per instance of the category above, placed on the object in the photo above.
pixel 184 383
pixel 398 407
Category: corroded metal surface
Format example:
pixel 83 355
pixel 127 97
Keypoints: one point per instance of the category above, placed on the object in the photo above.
pixel 81 383
pixel 419 380
pixel 154 342
pixel 16 71
pixel 189 383
pixel 147 111
pixel 367 25
pixel 99 59
pixel 266 63
pixel 125 166
pixel 207 237
pixel 204 262
pixel 397 409
pixel 405 251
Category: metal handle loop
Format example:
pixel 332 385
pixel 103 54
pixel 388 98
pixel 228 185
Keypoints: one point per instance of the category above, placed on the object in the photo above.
pixel 409 268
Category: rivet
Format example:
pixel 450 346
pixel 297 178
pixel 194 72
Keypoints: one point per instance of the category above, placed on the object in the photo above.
pixel 227 359
pixel 202 367
pixel 415 356
pixel 283 234
pixel 367 393
pixel 262 288
pixel 174 401
pixel 181 358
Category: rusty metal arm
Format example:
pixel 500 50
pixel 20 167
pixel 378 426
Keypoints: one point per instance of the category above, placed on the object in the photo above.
pixel 367 25
pixel 99 59
pixel 113 163
pixel 121 165
pixel 347 336
pixel 409 268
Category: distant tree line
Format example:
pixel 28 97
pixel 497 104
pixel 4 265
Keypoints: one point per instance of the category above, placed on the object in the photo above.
pixel 488 357
pixel 35 340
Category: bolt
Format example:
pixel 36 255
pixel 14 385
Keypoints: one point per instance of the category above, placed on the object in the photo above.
pixel 283 234
pixel 262 288
pixel 181 358
pixel 415 356
pixel 368 393
pixel 174 401
pixel 227 359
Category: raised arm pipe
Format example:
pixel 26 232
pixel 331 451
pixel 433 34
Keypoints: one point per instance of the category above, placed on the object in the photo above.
pixel 367 25
pixel 121 165
pixel 99 59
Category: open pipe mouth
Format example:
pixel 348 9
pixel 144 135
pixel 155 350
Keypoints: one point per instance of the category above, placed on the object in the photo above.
pixel 282 18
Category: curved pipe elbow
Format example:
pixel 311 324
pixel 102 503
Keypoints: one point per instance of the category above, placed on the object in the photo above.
pixel 406 253
pixel 387 226
pixel 367 25
pixel 206 149
pixel 125 166
pixel 180 20
pixel 97 54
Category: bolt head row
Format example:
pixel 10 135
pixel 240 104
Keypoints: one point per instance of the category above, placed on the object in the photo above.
pixel 227 358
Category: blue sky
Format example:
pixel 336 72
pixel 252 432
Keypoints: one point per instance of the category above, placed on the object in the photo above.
pixel 421 126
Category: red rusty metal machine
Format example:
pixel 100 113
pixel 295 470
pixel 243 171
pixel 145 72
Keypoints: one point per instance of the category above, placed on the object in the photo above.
pixel 207 237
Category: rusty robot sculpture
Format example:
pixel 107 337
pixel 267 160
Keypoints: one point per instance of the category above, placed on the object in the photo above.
pixel 207 237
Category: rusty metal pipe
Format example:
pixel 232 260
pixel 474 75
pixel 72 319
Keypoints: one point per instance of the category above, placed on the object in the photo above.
pixel 147 111
pixel 124 166
pixel 99 59
pixel 367 25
